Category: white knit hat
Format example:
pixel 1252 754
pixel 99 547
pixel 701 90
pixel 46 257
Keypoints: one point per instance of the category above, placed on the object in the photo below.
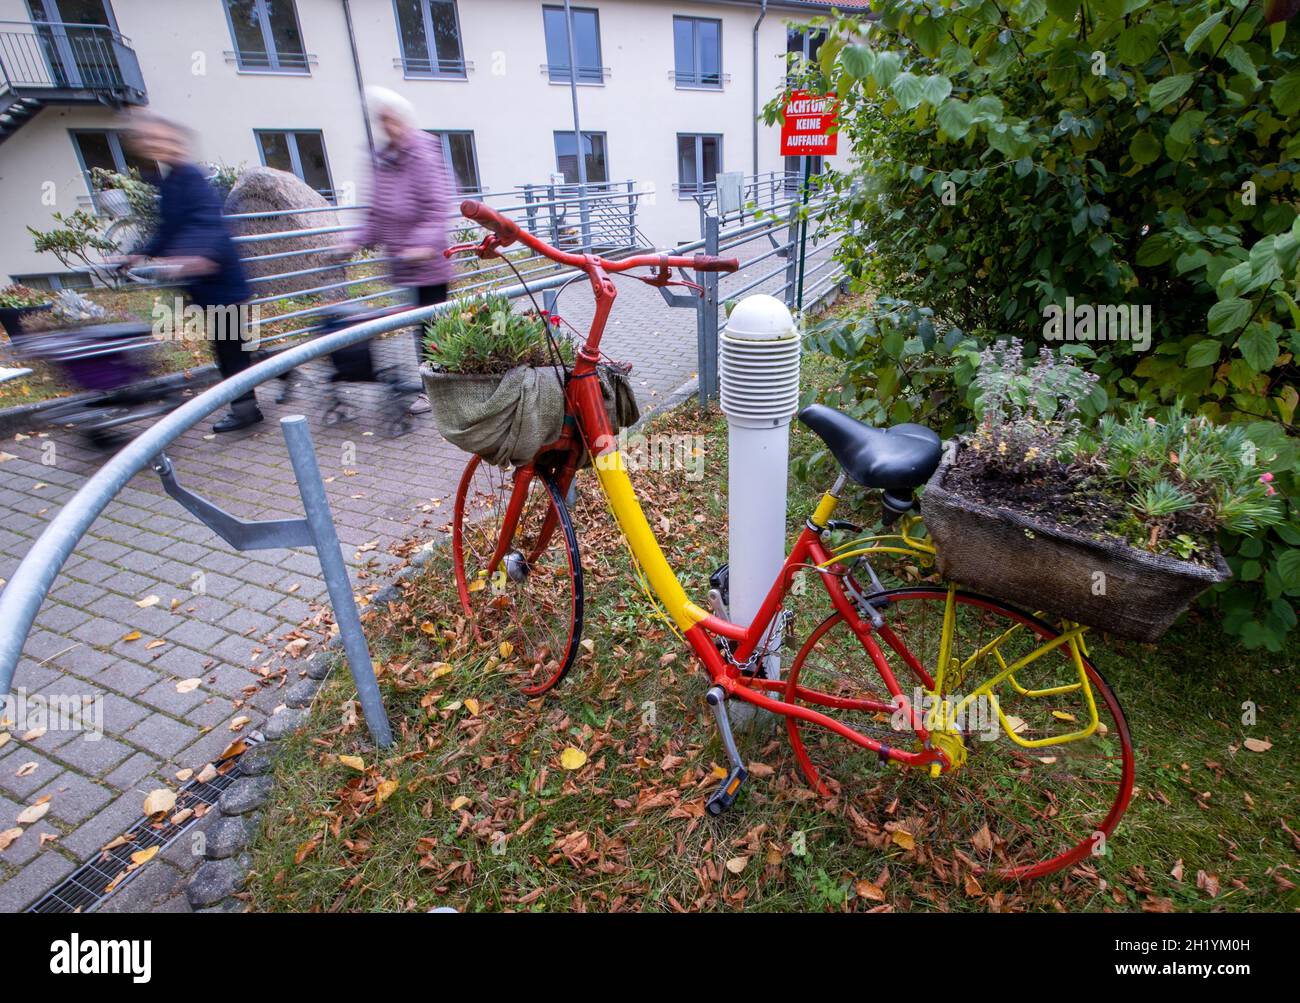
pixel 381 99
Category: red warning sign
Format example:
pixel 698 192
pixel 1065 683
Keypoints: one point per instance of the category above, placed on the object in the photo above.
pixel 806 131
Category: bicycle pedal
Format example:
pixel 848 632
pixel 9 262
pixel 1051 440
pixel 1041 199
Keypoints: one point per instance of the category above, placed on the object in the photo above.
pixel 725 796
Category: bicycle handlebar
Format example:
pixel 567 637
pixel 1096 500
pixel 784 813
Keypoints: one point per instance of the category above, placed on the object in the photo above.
pixel 507 232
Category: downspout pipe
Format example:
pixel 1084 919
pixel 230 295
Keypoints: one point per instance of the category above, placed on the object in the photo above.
pixel 361 83
pixel 754 117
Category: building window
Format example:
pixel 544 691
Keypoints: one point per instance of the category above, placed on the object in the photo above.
pixel 459 156
pixel 586 45
pixel 107 151
pixel 593 151
pixel 266 35
pixel 794 171
pixel 300 153
pixel 697 42
pixel 699 159
pixel 430 35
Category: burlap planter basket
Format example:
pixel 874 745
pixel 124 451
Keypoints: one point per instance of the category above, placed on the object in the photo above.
pixel 508 419
pixel 1038 565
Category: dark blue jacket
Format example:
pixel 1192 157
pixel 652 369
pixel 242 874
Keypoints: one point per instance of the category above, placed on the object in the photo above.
pixel 190 224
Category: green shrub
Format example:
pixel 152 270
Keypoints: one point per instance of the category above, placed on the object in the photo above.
pixel 1013 157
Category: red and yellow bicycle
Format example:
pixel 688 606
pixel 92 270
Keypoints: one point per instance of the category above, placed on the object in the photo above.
pixel 958 718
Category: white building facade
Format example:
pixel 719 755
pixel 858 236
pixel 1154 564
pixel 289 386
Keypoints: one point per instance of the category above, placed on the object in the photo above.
pixel 666 93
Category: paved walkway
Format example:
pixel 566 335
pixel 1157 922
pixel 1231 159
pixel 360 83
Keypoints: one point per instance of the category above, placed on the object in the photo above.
pixel 220 616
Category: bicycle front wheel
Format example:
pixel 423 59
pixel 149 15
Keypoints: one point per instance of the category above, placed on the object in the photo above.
pixel 527 605
pixel 1020 808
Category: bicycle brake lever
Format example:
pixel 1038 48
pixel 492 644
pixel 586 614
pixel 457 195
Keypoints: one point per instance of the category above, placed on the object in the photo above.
pixel 663 278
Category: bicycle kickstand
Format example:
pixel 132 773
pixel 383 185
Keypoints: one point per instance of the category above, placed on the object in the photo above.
pixel 725 796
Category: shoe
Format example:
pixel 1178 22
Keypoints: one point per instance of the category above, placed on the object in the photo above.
pixel 419 406
pixel 236 420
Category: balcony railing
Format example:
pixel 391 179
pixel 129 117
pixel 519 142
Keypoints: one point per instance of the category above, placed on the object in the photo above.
pixel 69 61
pixel 416 66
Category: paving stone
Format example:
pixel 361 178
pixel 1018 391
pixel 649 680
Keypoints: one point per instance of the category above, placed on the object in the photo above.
pixel 23 787
pixel 217 880
pixel 73 798
pixel 107 824
pixel 132 771
pixel 94 756
pixel 246 794
pixel 34 880
pixel 161 734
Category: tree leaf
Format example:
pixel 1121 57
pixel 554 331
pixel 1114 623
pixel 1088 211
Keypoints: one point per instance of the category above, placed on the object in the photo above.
pixel 1228 315
pixel 1204 353
pixel 1168 90
pixel 1202 31
pixel 573 759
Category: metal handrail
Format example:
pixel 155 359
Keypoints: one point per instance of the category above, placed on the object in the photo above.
pixel 21 598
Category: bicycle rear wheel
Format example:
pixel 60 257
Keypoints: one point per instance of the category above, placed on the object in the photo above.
pixel 529 606
pixel 1014 811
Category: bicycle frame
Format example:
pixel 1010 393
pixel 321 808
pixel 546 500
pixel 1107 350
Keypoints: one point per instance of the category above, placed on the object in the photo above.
pixel 587 427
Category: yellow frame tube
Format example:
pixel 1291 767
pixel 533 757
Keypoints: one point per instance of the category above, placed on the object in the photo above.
pixel 612 473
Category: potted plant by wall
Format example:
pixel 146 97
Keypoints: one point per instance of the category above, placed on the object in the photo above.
pixel 495 380
pixel 18 302
pixel 1113 526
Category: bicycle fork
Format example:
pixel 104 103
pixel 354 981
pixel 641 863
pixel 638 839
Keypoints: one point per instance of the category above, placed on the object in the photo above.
pixel 725 796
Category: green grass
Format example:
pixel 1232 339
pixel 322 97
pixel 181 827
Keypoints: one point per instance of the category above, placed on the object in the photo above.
pixel 483 815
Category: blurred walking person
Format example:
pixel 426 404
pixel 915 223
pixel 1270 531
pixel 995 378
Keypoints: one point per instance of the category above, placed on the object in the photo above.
pixel 194 244
pixel 410 200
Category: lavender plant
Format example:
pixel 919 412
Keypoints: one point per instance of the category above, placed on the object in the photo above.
pixel 1025 410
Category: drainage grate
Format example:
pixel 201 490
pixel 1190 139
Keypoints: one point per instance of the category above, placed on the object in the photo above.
pixel 87 886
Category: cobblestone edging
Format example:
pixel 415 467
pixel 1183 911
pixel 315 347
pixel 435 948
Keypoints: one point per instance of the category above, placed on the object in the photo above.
pixel 219 880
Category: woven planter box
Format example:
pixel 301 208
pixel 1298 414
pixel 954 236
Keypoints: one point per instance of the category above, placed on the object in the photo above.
pixel 1039 565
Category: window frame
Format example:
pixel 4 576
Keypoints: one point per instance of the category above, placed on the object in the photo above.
pixel 443 137
pixel 120 163
pixel 268 39
pixel 574 72
pixel 604 140
pixel 695 54
pixel 430 45
pixel 700 186
pixel 295 157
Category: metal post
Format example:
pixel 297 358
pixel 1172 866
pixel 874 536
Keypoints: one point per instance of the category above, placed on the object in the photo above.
pixel 531 209
pixel 631 214
pixel 791 256
pixel 555 215
pixel 709 362
pixel 302 455
pixel 803 230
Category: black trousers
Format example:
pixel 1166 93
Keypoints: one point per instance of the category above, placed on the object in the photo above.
pixel 427 296
pixel 226 336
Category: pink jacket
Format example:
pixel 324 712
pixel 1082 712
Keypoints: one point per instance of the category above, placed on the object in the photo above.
pixel 411 197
